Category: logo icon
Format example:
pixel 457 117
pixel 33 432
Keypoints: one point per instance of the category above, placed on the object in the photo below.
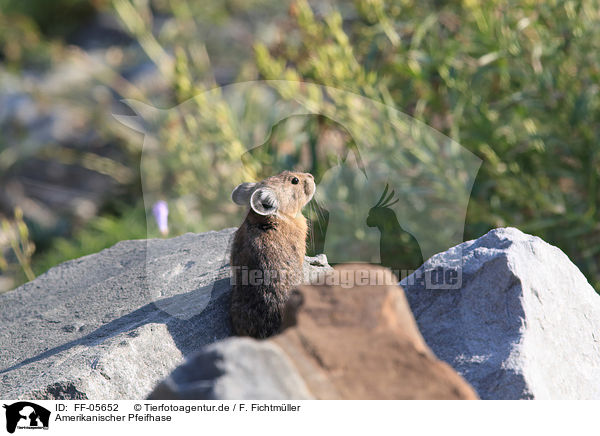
pixel 26 415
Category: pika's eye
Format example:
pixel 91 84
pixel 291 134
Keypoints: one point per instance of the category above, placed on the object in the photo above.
pixel 295 181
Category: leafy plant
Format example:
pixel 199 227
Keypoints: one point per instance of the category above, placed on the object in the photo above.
pixel 16 235
pixel 514 82
pixel 100 233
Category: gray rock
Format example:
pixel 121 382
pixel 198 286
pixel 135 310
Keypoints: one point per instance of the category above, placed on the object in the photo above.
pixel 524 325
pixel 314 267
pixel 235 369
pixel 113 324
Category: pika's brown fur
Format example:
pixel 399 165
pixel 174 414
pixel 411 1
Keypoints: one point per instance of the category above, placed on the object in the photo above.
pixel 268 251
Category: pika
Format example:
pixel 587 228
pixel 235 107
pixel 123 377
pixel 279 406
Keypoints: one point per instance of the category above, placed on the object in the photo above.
pixel 268 250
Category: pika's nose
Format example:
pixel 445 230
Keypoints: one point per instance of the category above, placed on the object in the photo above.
pixel 310 186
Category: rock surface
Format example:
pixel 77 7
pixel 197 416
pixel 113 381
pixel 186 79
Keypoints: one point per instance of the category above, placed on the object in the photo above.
pixel 113 324
pixel 343 341
pixel 357 339
pixel 235 369
pixel 524 325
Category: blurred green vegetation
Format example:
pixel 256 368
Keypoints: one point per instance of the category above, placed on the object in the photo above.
pixel 99 233
pixel 22 248
pixel 56 18
pixel 515 82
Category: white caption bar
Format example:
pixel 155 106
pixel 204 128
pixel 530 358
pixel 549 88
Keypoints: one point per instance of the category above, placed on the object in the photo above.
pixel 88 417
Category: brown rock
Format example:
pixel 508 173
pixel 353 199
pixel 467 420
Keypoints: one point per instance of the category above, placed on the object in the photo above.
pixel 362 342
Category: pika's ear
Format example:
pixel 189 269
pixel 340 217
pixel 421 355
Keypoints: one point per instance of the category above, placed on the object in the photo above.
pixel 264 201
pixel 241 194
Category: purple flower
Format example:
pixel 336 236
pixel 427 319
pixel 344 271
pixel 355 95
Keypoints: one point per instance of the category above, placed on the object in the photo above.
pixel 160 210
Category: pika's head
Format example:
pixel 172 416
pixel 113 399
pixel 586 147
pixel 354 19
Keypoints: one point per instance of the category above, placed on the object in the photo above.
pixel 286 193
